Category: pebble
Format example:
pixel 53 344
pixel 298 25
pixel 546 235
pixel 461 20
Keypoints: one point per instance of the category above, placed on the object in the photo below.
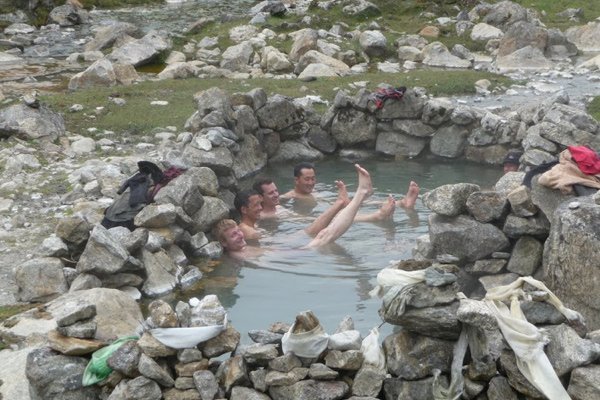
pixel 574 205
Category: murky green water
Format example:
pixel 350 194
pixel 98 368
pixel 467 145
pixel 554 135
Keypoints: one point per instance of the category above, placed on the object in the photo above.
pixel 332 282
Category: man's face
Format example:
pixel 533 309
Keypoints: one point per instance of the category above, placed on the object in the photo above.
pixel 305 183
pixel 510 167
pixel 270 195
pixel 233 239
pixel 254 207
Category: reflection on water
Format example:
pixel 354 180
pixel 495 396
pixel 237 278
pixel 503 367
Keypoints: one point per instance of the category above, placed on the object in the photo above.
pixel 333 281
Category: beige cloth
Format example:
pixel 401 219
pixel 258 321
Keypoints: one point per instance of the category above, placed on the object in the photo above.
pixel 526 340
pixel 565 174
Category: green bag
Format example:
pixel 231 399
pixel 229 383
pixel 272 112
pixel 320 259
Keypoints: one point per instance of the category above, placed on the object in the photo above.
pixel 97 370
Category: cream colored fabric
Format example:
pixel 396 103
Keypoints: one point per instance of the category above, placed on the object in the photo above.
pixel 396 277
pixel 185 338
pixel 305 344
pixel 565 174
pixel 455 389
pixel 371 350
pixel 526 340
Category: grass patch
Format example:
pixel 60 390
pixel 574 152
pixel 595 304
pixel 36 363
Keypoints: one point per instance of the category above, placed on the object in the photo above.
pixel 12 310
pixel 137 117
pixel 9 311
pixel 593 108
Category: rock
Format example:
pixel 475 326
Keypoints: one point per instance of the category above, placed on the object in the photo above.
pixel 314 57
pixel 484 32
pixel 567 351
pixel 138 389
pixel 304 40
pixel 522 34
pixel 499 389
pixel 476 240
pixel 515 378
pixel 583 384
pixel 351 127
pixel 436 54
pixel 100 73
pixel 411 356
pixel 242 393
pixel 449 200
pixel 373 43
pixel 368 381
pixel 152 370
pixel 585 37
pixel 68 15
pixel 449 141
pixel 29 123
pixel 486 206
pixel 237 57
pixel 52 375
pixel 141 51
pixel 102 254
pixel 526 58
pixel 40 279
pixel 206 384
pixel 398 388
pixel 397 144
pixel 526 256
pixel 106 36
pixel 310 389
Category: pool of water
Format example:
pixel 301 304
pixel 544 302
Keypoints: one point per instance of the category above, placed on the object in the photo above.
pixel 332 282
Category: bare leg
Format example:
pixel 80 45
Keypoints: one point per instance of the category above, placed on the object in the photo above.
pixel 386 211
pixel 410 199
pixel 345 217
pixel 324 219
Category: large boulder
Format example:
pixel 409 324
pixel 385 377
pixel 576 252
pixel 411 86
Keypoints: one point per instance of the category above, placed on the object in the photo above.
pixel 106 36
pixel 586 37
pixel 142 51
pixel 53 375
pixel 436 54
pixel 465 238
pixel 100 73
pixel 40 279
pixel 571 264
pixel 351 127
pixel 523 34
pixel 28 123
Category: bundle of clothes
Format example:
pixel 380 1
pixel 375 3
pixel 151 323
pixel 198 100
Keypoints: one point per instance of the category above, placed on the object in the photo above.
pixel 576 171
pixel 136 192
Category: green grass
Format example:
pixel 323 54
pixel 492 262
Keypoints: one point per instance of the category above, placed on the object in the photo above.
pixel 593 108
pixel 9 311
pixel 138 117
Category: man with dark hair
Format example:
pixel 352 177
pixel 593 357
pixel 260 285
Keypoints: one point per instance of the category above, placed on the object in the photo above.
pixel 248 203
pixel 270 196
pixel 511 161
pixel 304 182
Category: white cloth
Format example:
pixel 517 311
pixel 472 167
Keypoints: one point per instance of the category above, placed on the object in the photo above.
pixel 526 340
pixel 305 344
pixel 396 277
pixel 371 350
pixel 185 338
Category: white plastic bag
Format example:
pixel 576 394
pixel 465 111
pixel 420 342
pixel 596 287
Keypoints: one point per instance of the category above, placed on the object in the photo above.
pixel 185 338
pixel 305 344
pixel 372 351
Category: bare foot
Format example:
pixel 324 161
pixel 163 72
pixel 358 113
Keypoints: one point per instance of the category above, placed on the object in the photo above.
pixel 411 196
pixel 386 211
pixel 365 186
pixel 342 193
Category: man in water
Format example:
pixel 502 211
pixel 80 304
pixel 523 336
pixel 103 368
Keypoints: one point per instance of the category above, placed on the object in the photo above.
pixel 270 196
pixel 511 161
pixel 248 203
pixel 325 229
pixel 304 183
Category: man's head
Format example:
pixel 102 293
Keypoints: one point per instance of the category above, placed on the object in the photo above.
pixel 267 188
pixel 511 161
pixel 249 204
pixel 229 235
pixel 304 178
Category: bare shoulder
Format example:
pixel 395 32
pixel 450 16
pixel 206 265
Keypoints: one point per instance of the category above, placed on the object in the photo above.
pixel 289 195
pixel 249 232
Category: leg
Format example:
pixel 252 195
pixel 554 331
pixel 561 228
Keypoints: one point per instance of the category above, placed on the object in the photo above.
pixel 410 199
pixel 324 219
pixel 345 217
pixel 386 211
